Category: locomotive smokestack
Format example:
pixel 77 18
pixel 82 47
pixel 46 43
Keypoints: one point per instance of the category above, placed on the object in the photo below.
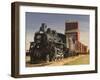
pixel 43 27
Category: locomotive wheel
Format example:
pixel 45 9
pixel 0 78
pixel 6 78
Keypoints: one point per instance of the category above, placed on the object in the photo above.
pixel 47 58
pixel 54 59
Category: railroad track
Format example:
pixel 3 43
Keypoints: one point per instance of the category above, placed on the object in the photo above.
pixel 64 61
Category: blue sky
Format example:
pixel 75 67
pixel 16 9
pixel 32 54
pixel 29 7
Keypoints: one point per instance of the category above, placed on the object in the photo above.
pixel 56 22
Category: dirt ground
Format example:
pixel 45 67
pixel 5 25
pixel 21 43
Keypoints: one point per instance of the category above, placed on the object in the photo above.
pixel 75 60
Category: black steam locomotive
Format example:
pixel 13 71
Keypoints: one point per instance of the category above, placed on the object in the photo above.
pixel 48 45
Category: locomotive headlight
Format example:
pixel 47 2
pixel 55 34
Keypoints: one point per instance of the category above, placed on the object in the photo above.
pixel 38 36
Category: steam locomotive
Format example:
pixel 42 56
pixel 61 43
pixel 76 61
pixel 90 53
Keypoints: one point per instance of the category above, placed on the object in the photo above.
pixel 49 45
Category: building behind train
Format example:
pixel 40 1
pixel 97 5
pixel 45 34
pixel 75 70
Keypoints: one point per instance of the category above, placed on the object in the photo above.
pixel 72 34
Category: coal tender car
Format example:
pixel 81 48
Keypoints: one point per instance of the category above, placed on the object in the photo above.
pixel 48 45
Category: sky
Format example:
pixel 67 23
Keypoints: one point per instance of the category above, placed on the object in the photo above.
pixel 55 22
